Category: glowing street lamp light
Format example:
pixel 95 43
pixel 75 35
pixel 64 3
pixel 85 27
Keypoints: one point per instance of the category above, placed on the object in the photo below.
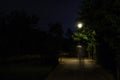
pixel 79 25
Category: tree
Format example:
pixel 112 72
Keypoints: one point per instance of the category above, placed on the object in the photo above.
pixel 69 34
pixel 86 37
pixel 68 42
pixel 16 31
pixel 103 17
pixel 56 34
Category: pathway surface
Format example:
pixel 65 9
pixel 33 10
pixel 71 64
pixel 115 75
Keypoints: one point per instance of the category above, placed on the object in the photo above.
pixel 73 69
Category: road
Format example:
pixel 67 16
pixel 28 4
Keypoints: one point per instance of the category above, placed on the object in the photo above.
pixel 73 69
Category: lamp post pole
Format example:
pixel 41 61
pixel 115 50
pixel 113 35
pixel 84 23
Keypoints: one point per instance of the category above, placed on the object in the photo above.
pixel 79 47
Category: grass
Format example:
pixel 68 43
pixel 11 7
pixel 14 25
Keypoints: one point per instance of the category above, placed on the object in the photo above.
pixel 24 72
pixel 26 67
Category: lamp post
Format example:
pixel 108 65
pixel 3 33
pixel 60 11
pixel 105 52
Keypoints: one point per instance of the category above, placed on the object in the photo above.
pixel 79 47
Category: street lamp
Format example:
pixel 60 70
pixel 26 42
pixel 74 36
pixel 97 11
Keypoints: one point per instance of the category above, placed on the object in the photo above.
pixel 79 25
pixel 79 46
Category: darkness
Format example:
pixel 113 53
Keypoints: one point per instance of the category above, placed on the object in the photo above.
pixel 33 34
pixel 36 35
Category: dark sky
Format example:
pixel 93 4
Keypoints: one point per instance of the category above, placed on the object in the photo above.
pixel 64 11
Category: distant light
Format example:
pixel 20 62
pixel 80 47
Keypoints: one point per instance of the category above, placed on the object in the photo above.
pixel 79 25
pixel 79 46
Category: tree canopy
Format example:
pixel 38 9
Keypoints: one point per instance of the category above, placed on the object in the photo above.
pixel 103 17
pixel 86 37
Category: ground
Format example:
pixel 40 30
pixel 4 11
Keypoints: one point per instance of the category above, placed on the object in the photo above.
pixel 73 69
pixel 24 72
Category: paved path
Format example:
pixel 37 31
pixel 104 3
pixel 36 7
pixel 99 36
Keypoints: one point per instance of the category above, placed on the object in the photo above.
pixel 72 69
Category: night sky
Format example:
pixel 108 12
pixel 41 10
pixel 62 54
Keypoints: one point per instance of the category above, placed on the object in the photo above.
pixel 63 11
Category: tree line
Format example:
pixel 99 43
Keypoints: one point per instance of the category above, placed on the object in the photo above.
pixel 19 36
pixel 103 17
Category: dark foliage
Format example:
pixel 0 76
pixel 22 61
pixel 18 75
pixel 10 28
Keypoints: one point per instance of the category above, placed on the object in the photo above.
pixel 103 16
pixel 19 37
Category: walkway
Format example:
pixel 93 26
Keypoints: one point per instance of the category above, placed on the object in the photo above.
pixel 72 69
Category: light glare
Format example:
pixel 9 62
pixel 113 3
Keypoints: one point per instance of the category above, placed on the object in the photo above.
pixel 79 25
